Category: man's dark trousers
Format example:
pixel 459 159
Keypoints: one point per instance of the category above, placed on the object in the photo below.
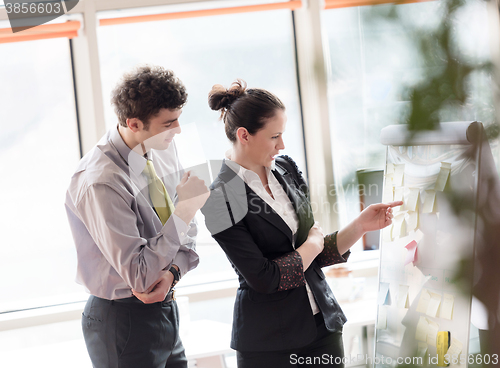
pixel 127 333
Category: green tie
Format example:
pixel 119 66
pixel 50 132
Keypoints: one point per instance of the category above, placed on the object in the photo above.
pixel 159 196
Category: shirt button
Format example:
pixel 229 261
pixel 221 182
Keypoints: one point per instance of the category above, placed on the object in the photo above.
pixel 182 234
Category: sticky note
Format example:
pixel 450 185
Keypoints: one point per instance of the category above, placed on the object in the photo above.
pixel 412 220
pixel 429 202
pixel 413 199
pixel 389 180
pixel 399 170
pixel 411 256
pixel 390 169
pixel 382 318
pixel 432 332
pixel 423 302
pixel 455 348
pixel 399 196
pixel 403 300
pixel 384 295
pixel 399 223
pixel 443 343
pixel 447 307
pixel 388 195
pixel 434 303
pixel 387 233
pixel 421 352
pixel 446 165
pixel 421 333
pixel 442 178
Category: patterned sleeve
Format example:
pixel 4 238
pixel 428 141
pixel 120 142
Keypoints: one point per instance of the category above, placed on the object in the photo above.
pixel 291 271
pixel 330 254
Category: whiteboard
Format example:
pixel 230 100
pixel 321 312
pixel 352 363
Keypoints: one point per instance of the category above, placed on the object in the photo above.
pixel 442 239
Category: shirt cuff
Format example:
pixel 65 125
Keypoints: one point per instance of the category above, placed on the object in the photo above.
pixel 291 271
pixel 181 260
pixel 330 254
pixel 176 229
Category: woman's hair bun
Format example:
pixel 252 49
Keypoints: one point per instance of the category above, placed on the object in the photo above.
pixel 220 98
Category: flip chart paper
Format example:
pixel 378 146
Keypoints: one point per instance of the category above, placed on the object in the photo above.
pixel 447 307
pixel 403 300
pixel 429 202
pixel 384 296
pixel 382 318
pixel 413 199
pixel 387 233
pixel 412 221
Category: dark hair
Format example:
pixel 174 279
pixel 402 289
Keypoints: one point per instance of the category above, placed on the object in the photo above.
pixel 142 92
pixel 241 107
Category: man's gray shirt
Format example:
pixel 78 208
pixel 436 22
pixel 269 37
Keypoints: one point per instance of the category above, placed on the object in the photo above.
pixel 120 241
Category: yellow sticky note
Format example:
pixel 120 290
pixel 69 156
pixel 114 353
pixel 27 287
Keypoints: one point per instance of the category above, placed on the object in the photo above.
pixel 403 300
pixel 429 202
pixel 434 303
pixel 390 169
pixel 413 199
pixel 421 333
pixel 455 348
pixel 447 307
pixel 382 318
pixel 423 302
pixel 442 178
pixel 443 344
pixel 399 170
pixel 432 332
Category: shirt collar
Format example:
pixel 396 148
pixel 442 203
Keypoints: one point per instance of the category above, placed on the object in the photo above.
pixel 246 175
pixel 135 161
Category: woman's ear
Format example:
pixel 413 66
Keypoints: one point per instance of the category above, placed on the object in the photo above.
pixel 243 135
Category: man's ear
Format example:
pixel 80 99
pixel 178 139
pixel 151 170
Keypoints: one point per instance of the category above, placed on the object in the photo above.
pixel 242 135
pixel 135 124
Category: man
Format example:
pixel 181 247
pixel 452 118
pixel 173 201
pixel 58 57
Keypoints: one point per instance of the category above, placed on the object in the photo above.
pixel 130 238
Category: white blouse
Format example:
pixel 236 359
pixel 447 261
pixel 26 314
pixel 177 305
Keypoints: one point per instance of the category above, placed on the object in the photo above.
pixel 281 204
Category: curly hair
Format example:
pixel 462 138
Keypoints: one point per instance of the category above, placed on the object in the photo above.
pixel 142 92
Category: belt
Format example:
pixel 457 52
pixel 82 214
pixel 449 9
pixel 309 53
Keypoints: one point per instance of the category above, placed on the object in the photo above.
pixel 133 300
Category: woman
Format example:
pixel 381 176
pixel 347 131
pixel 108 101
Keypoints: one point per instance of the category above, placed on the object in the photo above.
pixel 259 213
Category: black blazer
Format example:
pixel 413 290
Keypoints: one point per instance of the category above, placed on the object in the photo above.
pixel 272 310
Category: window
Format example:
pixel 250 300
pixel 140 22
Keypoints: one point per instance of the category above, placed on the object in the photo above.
pixel 202 52
pixel 39 151
pixel 372 59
